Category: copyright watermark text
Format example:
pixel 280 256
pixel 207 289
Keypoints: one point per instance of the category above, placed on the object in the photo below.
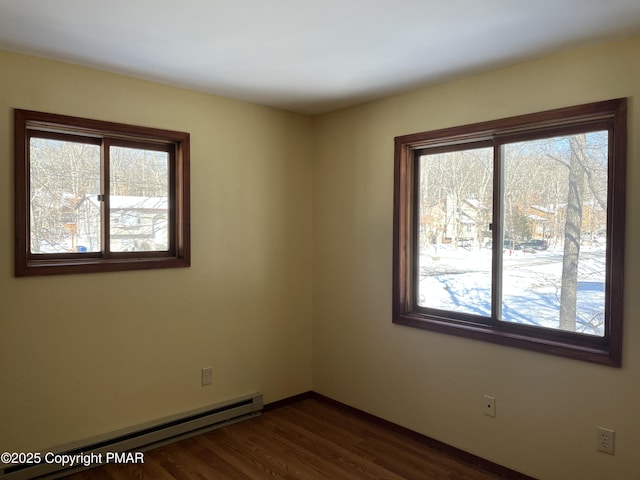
pixel 71 459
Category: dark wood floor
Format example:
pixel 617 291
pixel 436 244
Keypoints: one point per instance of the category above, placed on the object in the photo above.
pixel 309 439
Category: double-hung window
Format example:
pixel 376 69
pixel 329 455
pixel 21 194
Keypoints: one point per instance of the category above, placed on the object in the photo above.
pixel 512 231
pixel 97 196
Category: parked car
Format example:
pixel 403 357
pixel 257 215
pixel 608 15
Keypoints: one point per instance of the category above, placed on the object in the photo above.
pixel 535 244
pixel 507 244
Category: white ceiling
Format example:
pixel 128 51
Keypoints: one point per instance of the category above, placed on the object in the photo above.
pixel 306 56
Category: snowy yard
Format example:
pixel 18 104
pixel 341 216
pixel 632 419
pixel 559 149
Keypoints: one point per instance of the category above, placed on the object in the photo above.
pixel 459 279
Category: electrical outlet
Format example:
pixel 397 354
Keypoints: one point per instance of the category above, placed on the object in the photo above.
pixel 207 376
pixel 489 404
pixel 606 440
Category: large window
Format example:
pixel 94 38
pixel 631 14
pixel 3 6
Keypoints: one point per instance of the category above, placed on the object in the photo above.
pixel 512 231
pixel 96 196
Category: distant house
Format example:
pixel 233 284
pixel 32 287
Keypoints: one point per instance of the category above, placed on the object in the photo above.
pixel 449 220
pixel 548 222
pixel 474 216
pixel 542 221
pixel 137 223
pixel 465 220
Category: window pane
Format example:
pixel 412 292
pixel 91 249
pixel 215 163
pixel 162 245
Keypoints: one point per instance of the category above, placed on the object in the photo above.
pixel 454 241
pixel 139 201
pixel 555 220
pixel 64 184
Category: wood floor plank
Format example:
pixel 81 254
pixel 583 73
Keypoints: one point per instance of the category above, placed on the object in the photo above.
pixel 243 455
pixel 395 452
pixel 333 460
pixel 180 461
pixel 397 446
pixel 331 448
pixel 277 451
pixel 311 439
pixel 208 462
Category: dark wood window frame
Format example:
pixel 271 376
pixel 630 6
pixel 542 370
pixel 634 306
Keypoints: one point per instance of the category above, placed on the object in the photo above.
pixel 28 124
pixel 610 115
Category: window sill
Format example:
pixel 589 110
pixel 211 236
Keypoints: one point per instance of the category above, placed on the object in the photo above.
pixel 96 265
pixel 508 336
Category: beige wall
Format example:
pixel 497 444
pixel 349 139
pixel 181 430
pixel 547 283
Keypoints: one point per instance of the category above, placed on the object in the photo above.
pixel 548 408
pixel 82 355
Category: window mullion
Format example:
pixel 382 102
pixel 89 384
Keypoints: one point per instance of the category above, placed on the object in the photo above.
pixel 106 196
pixel 414 216
pixel 497 233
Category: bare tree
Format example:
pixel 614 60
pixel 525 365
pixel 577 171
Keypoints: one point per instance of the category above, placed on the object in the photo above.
pixel 572 232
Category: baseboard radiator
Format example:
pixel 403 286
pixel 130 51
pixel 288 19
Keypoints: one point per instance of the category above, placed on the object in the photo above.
pixel 142 437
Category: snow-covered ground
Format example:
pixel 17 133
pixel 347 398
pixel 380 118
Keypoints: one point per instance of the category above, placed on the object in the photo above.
pixel 459 279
